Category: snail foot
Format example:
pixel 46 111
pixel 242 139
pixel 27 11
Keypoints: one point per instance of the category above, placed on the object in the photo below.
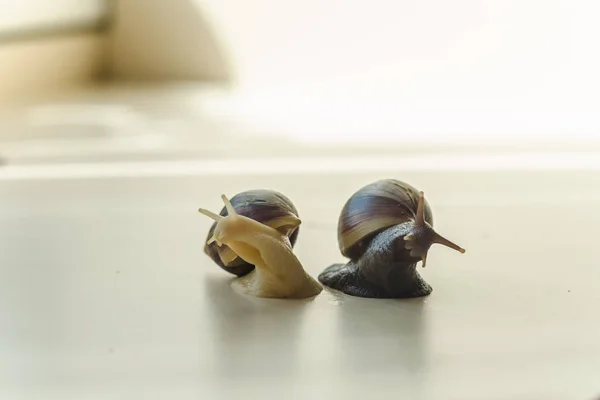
pixel 347 279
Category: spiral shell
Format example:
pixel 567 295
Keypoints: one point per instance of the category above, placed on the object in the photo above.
pixel 266 206
pixel 374 208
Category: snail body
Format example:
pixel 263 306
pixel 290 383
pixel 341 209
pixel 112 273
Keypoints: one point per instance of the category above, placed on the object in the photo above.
pixel 385 229
pixel 253 238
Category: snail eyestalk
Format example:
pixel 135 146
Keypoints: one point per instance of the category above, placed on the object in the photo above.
pixel 437 238
pixel 228 205
pixel 210 214
pixel 420 217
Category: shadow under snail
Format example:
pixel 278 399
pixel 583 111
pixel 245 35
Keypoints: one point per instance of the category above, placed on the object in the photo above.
pixel 385 229
pixel 253 238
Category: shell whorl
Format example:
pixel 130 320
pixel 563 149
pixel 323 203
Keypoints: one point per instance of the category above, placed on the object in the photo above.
pixel 374 208
pixel 266 206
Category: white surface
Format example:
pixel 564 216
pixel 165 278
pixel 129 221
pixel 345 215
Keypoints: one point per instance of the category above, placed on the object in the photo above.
pixel 105 294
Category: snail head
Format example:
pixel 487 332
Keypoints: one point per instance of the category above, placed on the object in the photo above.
pixel 235 231
pixel 422 236
pixel 227 226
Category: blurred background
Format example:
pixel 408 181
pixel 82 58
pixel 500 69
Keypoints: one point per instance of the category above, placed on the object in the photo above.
pixel 115 80
pixel 489 106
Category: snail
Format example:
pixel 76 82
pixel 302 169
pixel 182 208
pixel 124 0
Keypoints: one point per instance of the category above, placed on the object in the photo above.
pixel 385 229
pixel 253 238
pixel 265 206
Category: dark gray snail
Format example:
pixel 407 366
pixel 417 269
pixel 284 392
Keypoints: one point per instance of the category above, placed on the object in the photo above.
pixel 253 238
pixel 385 229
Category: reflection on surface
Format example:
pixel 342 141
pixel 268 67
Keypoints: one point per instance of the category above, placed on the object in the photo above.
pixel 378 337
pixel 252 337
pixel 168 325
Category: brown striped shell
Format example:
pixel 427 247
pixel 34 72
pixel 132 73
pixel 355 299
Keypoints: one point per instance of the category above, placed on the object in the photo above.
pixel 266 206
pixel 374 208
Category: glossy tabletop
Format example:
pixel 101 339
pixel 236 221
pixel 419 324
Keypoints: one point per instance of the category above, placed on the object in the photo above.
pixel 105 292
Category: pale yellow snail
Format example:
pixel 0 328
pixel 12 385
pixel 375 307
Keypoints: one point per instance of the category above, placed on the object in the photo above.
pixel 253 238
pixel 385 229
